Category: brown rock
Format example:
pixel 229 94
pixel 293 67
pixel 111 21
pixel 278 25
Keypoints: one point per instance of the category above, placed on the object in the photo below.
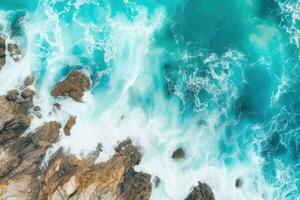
pixel 68 177
pixel 73 86
pixel 12 95
pixel 65 177
pixel 20 162
pixel 14 119
pixel 136 186
pixel 29 80
pixel 14 52
pixel 178 153
pixel 28 94
pixel 70 123
pixel 201 192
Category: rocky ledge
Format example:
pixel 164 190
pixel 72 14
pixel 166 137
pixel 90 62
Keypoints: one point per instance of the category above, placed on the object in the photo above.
pixel 73 86
pixel 22 154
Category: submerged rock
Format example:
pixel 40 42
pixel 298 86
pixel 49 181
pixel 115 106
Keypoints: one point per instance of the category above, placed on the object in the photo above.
pixel 37 108
pixel 178 154
pixel 14 52
pixel 238 183
pixel 29 80
pixel 201 192
pixel 73 86
pixel 56 107
pixel 156 181
pixel 2 52
pixel 70 123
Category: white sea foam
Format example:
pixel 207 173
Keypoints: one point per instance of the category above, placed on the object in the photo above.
pixel 110 118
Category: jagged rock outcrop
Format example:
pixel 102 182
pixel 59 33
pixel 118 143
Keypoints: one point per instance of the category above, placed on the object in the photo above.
pixel 20 162
pixel 65 177
pixel 23 177
pixel 201 192
pixel 70 178
pixel 68 126
pixel 14 119
pixel 73 86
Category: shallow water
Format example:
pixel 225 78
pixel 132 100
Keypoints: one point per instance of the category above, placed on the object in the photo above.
pixel 219 78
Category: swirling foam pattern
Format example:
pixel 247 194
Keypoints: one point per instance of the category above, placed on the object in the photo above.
pixel 219 78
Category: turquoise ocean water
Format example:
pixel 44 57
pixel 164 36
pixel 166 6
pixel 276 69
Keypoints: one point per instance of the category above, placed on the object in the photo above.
pixel 221 78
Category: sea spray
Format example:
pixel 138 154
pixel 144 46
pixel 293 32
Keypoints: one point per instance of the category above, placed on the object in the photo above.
pixel 218 79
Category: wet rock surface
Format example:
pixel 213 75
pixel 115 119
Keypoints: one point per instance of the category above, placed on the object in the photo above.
pixel 2 52
pixel 178 154
pixel 28 94
pixel 65 176
pixel 73 86
pixel 13 49
pixel 68 126
pixel 14 52
pixel 201 192
pixel 29 80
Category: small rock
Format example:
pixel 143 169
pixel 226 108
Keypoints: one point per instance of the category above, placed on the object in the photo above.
pixel 201 192
pixel 156 181
pixel 38 114
pixel 122 116
pixel 28 94
pixel 70 123
pixel 238 183
pixel 178 154
pixel 12 95
pixel 29 80
pixel 37 108
pixel 56 107
pixel 14 51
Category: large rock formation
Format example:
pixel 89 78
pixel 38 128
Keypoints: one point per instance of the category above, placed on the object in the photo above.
pixel 201 192
pixel 73 86
pixel 20 162
pixel 70 178
pixel 14 119
pixel 65 176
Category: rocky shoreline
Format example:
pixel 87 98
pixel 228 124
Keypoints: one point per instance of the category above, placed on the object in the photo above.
pixel 22 153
